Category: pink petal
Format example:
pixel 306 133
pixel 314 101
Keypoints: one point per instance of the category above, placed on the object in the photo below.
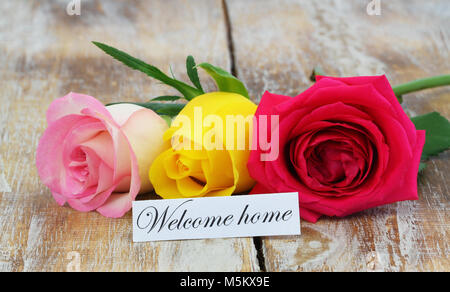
pixel 305 214
pixel 121 146
pixel 49 156
pixel 123 111
pixel 59 199
pixel 103 146
pixel 147 142
pixel 116 206
pixel 104 181
pixel 74 103
pixel 93 204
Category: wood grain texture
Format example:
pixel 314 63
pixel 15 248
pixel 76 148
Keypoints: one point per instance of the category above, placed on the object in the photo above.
pixel 276 46
pixel 44 55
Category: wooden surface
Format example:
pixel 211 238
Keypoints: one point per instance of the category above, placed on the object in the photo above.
pixel 270 45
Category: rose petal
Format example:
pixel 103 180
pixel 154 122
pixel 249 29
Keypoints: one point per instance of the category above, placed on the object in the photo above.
pixel 49 156
pixel 117 205
pixel 305 214
pixel 383 87
pixel 164 185
pixel 146 141
pixel 74 103
pixel 97 201
pixel 123 111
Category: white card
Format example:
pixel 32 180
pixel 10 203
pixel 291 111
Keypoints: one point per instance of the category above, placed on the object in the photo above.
pixel 216 217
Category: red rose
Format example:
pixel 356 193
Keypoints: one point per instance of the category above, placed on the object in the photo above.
pixel 345 145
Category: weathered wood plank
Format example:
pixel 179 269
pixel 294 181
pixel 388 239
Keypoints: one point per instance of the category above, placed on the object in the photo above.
pixel 276 45
pixel 44 55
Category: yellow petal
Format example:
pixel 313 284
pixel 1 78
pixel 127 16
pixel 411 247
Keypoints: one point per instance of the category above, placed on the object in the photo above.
pixel 189 187
pixel 218 170
pixel 222 171
pixel 164 185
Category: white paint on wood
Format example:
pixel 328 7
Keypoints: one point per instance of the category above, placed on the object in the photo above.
pixel 410 233
pixel 4 186
pixel 26 28
pixel 277 52
pixel 277 44
pixel 34 248
pixel 206 255
pixel 46 54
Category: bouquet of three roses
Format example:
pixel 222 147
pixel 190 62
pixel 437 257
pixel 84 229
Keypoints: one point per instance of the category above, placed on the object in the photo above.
pixel 344 144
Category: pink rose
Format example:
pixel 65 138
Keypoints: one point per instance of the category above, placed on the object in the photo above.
pixel 95 157
pixel 345 145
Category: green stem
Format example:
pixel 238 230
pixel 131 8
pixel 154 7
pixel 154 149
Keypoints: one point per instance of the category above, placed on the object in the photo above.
pixel 316 71
pixel 419 84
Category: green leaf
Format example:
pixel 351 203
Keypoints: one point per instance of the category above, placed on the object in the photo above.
pixel 316 71
pixel 422 166
pixel 224 80
pixel 166 98
pixel 191 69
pixel 437 133
pixel 169 109
pixel 188 92
pixel 168 119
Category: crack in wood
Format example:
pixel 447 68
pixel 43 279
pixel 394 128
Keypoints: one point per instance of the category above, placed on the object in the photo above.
pixel 229 33
pixel 257 241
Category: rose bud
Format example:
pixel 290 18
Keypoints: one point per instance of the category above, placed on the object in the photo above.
pixel 206 156
pixel 345 145
pixel 95 157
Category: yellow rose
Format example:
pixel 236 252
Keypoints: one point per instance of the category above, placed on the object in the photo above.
pixel 208 146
